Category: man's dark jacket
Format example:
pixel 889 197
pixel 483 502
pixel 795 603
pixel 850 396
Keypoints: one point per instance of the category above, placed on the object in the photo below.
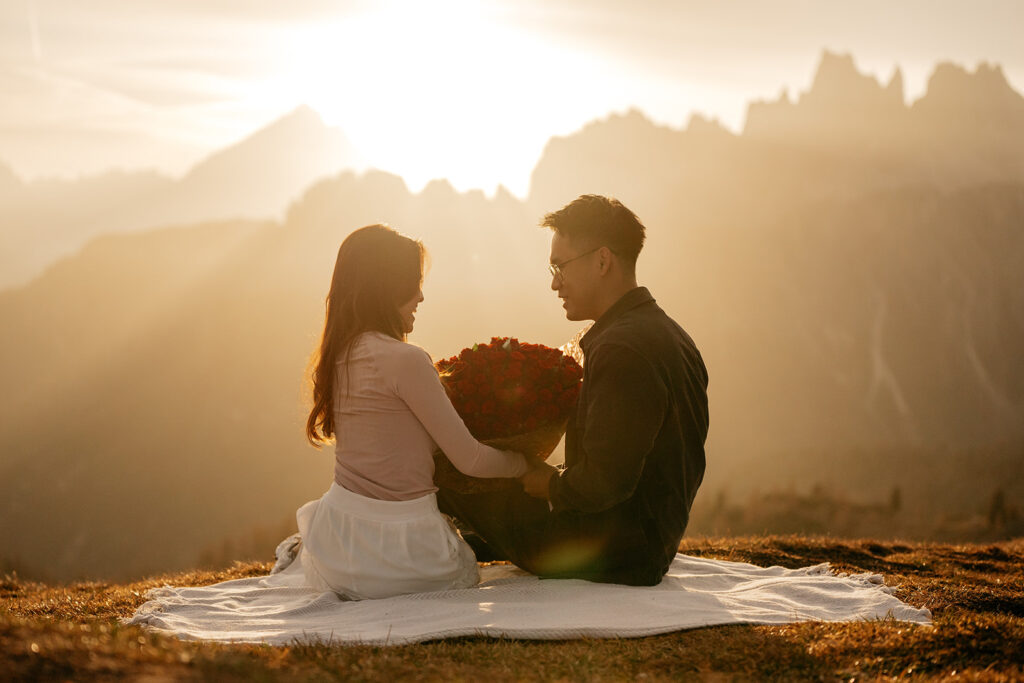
pixel 634 449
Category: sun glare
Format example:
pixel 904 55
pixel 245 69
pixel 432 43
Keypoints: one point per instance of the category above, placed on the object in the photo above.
pixel 432 90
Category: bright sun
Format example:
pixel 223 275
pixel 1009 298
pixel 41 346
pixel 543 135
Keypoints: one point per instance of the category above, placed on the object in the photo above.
pixel 443 89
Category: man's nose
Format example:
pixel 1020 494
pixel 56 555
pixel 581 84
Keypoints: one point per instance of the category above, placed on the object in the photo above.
pixel 556 282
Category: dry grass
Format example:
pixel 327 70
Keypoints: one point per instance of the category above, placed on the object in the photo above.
pixel 976 594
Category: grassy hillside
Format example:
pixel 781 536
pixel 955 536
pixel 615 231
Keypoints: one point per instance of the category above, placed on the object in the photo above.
pixel 975 592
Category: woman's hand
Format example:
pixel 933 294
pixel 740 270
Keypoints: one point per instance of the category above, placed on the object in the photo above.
pixel 535 481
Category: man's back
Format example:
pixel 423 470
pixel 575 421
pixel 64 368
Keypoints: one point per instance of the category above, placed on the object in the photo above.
pixel 635 447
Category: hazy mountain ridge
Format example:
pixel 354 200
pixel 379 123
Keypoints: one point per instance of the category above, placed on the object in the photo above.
pixel 861 327
pixel 966 128
pixel 288 156
pixel 847 135
pixel 255 178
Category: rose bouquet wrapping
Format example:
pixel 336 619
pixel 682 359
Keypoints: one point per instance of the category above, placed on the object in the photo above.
pixel 511 395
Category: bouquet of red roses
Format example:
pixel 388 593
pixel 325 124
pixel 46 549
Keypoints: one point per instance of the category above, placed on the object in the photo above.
pixel 512 396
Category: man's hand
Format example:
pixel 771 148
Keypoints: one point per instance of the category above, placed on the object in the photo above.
pixel 535 481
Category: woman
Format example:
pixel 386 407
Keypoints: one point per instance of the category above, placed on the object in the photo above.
pixel 377 531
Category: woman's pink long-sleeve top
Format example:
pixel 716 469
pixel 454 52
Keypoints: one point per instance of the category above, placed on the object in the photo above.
pixel 390 413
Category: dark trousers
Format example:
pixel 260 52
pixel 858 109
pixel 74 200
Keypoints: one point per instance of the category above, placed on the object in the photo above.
pixel 523 530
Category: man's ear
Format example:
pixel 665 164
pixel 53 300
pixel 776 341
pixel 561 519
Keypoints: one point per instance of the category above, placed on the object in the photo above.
pixel 604 263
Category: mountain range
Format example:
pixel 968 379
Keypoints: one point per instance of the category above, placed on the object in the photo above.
pixel 846 135
pixel 257 177
pixel 860 311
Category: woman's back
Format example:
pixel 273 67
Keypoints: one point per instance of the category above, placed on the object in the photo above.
pixel 382 449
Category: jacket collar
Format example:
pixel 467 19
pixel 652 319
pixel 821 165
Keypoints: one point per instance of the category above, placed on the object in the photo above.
pixel 627 302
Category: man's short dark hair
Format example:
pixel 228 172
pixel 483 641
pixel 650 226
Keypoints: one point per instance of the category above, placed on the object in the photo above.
pixel 597 221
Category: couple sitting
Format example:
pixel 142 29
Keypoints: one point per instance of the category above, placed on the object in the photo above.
pixel 634 445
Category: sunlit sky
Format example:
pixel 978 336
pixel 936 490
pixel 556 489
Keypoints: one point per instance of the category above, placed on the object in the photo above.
pixel 470 91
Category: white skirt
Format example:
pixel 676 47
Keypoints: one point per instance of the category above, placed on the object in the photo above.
pixel 362 548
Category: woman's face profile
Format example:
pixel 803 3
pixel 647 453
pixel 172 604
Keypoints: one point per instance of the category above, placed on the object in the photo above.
pixel 407 311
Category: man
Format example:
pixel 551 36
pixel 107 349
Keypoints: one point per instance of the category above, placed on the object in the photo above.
pixel 634 446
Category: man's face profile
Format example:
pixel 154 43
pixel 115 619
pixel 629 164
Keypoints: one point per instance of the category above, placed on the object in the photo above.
pixel 574 281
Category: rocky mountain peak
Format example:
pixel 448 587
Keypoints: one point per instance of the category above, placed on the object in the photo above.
pixel 952 87
pixel 838 84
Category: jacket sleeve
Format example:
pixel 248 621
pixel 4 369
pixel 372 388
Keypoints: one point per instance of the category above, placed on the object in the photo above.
pixel 626 405
pixel 418 384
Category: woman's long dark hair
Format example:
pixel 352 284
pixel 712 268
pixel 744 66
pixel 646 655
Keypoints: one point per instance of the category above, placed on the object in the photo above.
pixel 378 269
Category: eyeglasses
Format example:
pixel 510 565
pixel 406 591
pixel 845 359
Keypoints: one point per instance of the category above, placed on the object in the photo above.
pixel 556 268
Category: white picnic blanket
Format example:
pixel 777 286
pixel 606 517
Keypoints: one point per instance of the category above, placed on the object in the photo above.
pixel 279 609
